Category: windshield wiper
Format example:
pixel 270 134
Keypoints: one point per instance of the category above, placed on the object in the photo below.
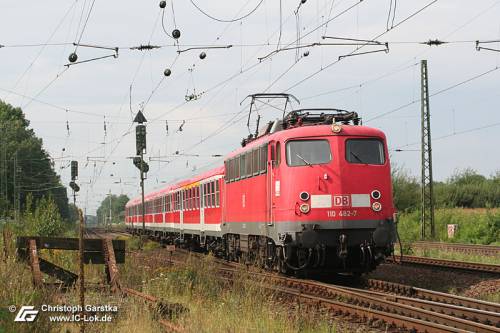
pixel 357 157
pixel 304 160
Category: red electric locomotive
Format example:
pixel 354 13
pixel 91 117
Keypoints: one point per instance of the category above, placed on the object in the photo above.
pixel 310 192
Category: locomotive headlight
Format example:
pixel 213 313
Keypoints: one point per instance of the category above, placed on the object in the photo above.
pixel 336 128
pixel 377 206
pixel 304 208
pixel 376 194
pixel 304 196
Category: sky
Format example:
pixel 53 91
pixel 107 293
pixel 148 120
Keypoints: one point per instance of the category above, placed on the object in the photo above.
pixel 84 111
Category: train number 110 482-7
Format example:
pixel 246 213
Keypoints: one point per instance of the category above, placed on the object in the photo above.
pixel 342 213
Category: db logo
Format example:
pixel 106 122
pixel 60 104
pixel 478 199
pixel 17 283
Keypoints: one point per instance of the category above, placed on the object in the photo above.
pixel 26 313
pixel 341 200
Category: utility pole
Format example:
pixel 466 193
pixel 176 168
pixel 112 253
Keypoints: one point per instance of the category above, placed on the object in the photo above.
pixel 81 272
pixel 14 197
pixel 427 196
pixel 110 214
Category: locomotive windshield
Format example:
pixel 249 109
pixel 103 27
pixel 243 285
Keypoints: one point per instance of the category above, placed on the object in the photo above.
pixel 365 151
pixel 308 152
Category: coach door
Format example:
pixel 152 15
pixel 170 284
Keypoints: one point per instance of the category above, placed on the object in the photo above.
pixel 273 181
pixel 202 207
pixel 181 213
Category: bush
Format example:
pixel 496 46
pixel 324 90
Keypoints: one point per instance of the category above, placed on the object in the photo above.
pixel 43 220
pixel 476 226
pixel 406 190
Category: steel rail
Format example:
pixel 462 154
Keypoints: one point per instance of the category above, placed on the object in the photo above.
pixel 432 295
pixel 367 313
pixel 361 298
pixel 485 317
pixel 454 264
pixel 489 250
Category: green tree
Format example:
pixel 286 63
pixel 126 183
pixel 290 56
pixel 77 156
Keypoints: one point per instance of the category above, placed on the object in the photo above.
pixel 44 219
pixel 25 167
pixel 405 189
pixel 117 208
pixel 74 216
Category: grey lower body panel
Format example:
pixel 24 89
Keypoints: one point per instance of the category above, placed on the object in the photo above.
pixel 383 230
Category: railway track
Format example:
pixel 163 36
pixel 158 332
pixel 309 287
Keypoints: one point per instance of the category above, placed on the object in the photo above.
pixel 401 306
pixel 104 233
pixel 401 311
pixel 487 250
pixel 431 295
pixel 443 263
pixel 395 304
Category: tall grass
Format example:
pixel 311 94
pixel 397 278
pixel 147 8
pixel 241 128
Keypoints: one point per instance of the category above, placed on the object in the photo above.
pixel 241 306
pixel 475 226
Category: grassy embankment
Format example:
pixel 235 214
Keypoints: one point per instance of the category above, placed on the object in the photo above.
pixel 211 306
pixel 475 226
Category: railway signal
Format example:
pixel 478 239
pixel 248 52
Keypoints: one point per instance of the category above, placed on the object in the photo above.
pixel 140 164
pixel 74 170
pixel 140 147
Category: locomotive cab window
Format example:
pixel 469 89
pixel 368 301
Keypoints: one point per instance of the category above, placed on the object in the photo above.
pixel 365 151
pixel 308 152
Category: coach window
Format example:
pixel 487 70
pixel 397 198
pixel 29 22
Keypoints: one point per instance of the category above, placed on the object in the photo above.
pixel 192 198
pixel 227 170
pixel 255 160
pixel 207 195
pixel 243 165
pixel 248 164
pixel 198 191
pixel 365 151
pixel 195 199
pixel 263 158
pixel 237 168
pixel 214 203
pixel 217 194
pixel 278 153
pixel 205 192
pixel 233 169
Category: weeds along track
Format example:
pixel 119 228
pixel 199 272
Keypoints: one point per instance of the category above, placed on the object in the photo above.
pixel 486 250
pixel 405 312
pixel 443 263
pixel 396 305
pixel 160 307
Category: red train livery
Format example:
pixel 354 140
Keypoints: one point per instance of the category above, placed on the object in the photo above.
pixel 310 192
